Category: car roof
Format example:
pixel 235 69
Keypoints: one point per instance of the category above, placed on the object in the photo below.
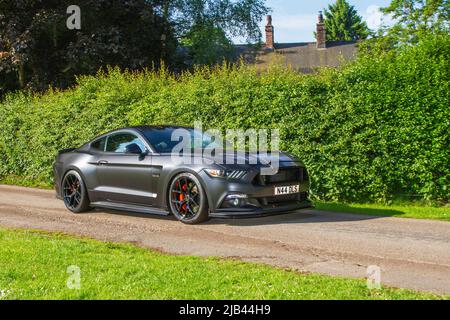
pixel 145 128
pixel 141 129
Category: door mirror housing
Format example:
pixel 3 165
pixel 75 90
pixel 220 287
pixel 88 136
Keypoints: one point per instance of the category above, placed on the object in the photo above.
pixel 144 154
pixel 133 148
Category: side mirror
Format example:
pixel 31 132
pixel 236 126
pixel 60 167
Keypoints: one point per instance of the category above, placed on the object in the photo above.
pixel 144 154
pixel 133 148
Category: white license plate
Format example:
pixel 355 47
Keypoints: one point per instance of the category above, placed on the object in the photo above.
pixel 287 190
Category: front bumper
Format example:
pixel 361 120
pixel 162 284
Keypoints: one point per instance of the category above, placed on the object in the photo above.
pixel 259 199
pixel 261 212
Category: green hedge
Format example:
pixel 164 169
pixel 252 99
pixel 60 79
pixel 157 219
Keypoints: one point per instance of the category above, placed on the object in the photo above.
pixel 375 129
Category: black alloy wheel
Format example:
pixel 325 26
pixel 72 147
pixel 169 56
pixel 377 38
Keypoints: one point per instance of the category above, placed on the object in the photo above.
pixel 74 192
pixel 187 199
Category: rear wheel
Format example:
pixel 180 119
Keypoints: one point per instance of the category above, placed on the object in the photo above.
pixel 74 192
pixel 187 199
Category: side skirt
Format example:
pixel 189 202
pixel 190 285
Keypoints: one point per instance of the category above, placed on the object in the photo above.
pixel 129 208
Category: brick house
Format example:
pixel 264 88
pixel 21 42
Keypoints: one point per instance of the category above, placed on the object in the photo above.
pixel 302 56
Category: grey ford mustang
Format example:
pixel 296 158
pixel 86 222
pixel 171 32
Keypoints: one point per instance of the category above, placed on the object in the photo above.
pixel 133 169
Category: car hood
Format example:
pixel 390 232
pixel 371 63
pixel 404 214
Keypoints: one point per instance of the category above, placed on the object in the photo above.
pixel 246 160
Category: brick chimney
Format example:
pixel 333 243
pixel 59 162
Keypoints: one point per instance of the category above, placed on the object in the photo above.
pixel 269 34
pixel 321 33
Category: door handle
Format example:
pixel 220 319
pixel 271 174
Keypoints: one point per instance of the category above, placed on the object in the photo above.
pixel 102 162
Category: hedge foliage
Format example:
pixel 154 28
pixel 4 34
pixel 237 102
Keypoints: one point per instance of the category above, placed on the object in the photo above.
pixel 371 130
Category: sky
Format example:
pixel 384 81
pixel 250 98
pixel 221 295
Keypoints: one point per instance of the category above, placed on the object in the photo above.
pixel 295 20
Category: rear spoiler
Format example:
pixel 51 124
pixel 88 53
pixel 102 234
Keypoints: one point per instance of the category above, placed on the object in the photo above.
pixel 66 150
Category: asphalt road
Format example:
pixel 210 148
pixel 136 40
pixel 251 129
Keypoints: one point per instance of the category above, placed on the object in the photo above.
pixel 411 253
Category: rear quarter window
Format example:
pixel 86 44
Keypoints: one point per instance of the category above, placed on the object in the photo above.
pixel 99 145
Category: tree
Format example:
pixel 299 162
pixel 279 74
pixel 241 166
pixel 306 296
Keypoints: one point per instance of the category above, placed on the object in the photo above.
pixel 207 45
pixel 38 50
pixel 416 18
pixel 207 26
pixel 343 23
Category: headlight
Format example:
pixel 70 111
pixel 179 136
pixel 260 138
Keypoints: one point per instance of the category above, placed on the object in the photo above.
pixel 216 173
pixel 228 174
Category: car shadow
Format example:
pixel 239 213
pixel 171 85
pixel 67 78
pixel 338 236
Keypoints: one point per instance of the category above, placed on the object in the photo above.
pixel 300 216
pixel 132 214
pixel 308 216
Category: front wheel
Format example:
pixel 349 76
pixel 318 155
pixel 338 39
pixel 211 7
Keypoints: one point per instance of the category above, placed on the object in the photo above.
pixel 74 192
pixel 187 199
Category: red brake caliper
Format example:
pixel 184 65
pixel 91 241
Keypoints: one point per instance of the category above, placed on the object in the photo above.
pixel 183 196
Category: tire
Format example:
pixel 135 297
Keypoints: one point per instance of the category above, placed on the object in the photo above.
pixel 187 199
pixel 74 192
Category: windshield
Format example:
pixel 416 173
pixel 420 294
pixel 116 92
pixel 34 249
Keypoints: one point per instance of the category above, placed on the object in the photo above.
pixel 164 140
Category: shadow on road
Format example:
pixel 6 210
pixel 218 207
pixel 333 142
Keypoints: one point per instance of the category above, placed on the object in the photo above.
pixel 130 214
pixel 300 217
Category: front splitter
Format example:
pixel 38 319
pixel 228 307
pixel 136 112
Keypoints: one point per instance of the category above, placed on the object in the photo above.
pixel 260 212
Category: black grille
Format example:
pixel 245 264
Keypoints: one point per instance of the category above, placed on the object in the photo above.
pixel 283 176
pixel 281 199
pixel 287 198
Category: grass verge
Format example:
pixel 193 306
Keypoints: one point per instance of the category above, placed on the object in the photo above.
pixel 33 265
pixel 25 182
pixel 400 210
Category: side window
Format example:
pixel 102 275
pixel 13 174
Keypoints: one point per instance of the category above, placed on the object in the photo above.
pixel 118 142
pixel 99 144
